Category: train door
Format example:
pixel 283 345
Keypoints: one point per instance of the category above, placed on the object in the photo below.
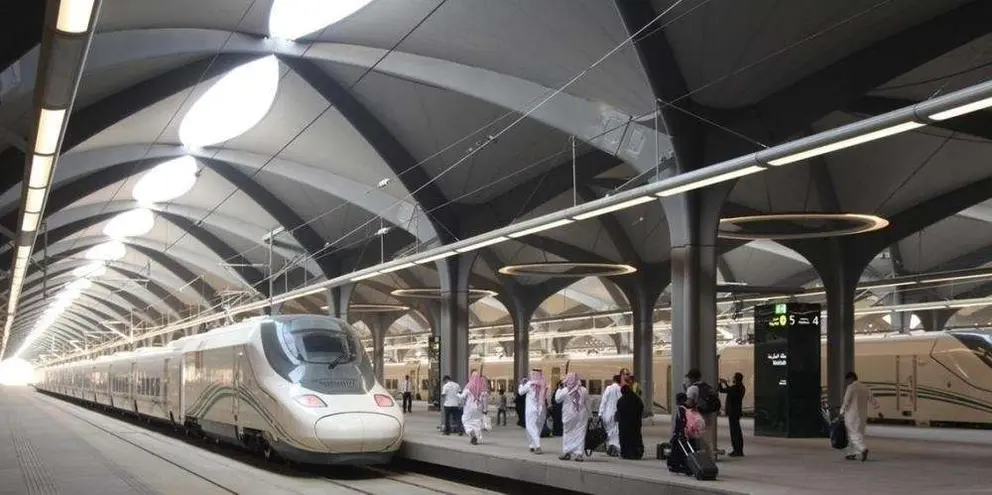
pixel 164 392
pixel 132 391
pixel 906 385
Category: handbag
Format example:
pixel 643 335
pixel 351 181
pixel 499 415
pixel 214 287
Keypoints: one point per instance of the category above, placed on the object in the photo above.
pixel 595 435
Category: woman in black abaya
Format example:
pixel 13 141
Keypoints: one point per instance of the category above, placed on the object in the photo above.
pixel 629 410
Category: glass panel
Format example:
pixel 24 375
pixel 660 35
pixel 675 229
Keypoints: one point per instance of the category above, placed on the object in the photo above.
pixel 320 354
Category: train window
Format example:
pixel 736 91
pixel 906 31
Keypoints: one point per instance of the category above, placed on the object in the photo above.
pixel 318 353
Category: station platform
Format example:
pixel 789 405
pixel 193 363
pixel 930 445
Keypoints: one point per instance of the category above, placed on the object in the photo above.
pixel 902 460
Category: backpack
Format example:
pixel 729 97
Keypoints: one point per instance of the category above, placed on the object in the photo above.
pixel 709 399
pixel 694 424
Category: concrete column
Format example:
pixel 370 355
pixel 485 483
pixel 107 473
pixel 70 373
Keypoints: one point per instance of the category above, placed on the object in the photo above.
pixel 693 219
pixel 338 300
pixel 840 285
pixel 521 311
pixel 453 315
pixel 378 351
pixel 642 310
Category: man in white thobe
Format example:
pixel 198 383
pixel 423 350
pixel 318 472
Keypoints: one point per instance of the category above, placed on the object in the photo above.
pixel 855 413
pixel 608 413
pixel 474 397
pixel 535 412
pixel 574 400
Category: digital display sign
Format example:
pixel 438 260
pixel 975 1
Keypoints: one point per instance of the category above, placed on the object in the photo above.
pixel 787 370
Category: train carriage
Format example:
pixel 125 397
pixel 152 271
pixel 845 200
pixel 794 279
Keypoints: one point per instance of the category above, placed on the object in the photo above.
pixel 299 387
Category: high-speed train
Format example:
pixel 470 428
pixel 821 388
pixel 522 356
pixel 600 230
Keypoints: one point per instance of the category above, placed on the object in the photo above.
pixel 297 387
pixel 925 379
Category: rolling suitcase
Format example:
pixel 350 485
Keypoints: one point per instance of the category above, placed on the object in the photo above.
pixel 701 465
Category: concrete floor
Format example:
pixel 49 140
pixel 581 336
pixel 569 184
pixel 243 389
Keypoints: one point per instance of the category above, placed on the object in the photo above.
pixel 903 460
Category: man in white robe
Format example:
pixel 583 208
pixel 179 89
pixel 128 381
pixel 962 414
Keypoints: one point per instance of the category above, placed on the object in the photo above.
pixel 574 400
pixel 855 413
pixel 474 396
pixel 608 412
pixel 536 408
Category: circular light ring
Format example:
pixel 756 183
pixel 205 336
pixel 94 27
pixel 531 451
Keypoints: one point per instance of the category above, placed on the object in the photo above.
pixel 427 293
pixel 167 181
pixel 576 269
pixel 132 223
pixel 860 224
pixel 377 308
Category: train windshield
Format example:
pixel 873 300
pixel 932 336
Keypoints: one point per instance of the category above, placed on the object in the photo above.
pixel 318 353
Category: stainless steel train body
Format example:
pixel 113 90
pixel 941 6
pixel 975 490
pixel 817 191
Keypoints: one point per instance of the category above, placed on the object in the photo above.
pixel 927 379
pixel 300 387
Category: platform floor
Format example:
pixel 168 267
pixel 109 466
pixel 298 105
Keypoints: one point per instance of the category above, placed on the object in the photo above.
pixel 903 460
pixel 55 447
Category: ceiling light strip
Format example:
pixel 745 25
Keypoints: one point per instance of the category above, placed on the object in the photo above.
pixel 876 127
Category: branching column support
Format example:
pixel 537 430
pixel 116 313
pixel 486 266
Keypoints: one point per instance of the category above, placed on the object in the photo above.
pixel 338 300
pixel 642 291
pixel 452 319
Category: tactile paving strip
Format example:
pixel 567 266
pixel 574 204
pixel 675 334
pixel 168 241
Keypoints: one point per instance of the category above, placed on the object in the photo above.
pixel 36 475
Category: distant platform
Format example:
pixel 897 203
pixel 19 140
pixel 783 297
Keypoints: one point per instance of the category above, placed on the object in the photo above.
pixel 903 460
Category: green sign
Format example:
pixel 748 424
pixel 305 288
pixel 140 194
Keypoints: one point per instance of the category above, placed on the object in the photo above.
pixel 781 309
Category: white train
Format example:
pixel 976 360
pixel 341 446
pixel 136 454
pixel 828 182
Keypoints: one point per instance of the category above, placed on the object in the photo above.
pixel 925 379
pixel 297 387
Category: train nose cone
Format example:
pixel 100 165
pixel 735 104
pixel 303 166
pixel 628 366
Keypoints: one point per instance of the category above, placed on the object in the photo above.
pixel 358 432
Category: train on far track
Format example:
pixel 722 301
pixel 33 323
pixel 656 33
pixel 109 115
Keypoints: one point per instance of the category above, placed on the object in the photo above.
pixel 299 387
pixel 921 379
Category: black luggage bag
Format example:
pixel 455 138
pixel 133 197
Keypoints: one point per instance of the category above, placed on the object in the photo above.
pixel 702 466
pixel 595 435
pixel 663 451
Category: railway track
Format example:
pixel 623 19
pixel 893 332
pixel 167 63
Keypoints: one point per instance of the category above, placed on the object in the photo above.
pixel 351 479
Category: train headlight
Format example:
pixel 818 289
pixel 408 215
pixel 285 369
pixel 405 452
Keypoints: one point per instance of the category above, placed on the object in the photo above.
pixel 383 400
pixel 310 400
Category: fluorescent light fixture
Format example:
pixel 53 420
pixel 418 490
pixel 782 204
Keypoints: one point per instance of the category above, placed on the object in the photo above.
pixel 23 252
pixel 95 269
pixel 957 278
pixel 167 181
pixel 30 222
pixel 712 180
pixel 846 143
pixel 292 19
pixel 130 224
pixel 49 130
pixel 397 268
pixel 233 105
pixel 436 257
pixel 74 16
pixel 35 200
pixel 41 171
pixel 619 206
pixel 541 228
pixel 108 251
pixel 367 275
pixel 482 244
pixel 963 109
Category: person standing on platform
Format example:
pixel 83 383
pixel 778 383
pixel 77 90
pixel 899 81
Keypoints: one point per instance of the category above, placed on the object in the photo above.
pixel 702 397
pixel 608 413
pixel 629 415
pixel 574 400
pixel 556 414
pixel 501 406
pixel 536 408
pixel 450 405
pixel 474 397
pixel 407 389
pixel 854 410
pixel 734 408
pixel 520 404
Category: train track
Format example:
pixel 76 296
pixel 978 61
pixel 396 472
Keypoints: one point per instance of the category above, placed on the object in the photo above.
pixel 315 471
